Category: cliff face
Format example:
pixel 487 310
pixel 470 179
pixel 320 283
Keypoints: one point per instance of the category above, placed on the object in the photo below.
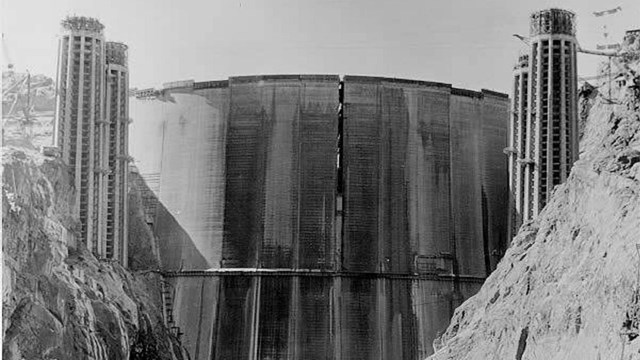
pixel 59 301
pixel 569 286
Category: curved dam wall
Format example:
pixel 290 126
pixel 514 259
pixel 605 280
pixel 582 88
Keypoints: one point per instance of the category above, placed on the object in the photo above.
pixel 338 219
pixel 178 145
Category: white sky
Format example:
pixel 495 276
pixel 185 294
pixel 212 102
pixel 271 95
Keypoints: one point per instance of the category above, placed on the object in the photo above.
pixel 465 43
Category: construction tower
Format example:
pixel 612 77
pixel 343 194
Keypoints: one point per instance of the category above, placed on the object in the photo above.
pixel 91 132
pixel 79 112
pixel 544 133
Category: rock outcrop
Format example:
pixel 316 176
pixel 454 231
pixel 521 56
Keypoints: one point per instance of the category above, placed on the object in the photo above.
pixel 59 301
pixel 569 285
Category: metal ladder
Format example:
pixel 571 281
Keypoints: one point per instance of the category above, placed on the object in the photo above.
pixel 167 308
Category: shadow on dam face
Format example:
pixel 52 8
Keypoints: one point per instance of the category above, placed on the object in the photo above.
pixel 335 219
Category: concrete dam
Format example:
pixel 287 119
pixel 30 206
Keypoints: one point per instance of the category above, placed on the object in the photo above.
pixel 314 217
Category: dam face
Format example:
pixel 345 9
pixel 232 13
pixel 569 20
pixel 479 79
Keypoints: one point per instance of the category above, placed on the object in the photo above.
pixel 281 173
pixel 313 218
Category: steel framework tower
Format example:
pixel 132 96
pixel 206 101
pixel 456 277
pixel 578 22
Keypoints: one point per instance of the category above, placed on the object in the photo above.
pixel 544 134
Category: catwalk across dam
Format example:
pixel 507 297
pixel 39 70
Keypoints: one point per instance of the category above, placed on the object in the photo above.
pixel 320 217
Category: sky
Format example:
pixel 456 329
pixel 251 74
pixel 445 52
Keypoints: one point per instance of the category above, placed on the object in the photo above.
pixel 465 43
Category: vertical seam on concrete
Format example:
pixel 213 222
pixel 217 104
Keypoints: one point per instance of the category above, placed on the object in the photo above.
pixel 338 266
pixel 452 234
pixel 340 186
pixel 296 163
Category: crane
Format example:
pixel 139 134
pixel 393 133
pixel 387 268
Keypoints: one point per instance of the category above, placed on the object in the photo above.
pixel 524 39
pixel 600 53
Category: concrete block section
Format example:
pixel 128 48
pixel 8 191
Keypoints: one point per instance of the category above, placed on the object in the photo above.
pixel 194 310
pixel 495 187
pixel 280 173
pixel 466 183
pixel 396 175
pixel 362 128
pixel 479 123
pixel 427 172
